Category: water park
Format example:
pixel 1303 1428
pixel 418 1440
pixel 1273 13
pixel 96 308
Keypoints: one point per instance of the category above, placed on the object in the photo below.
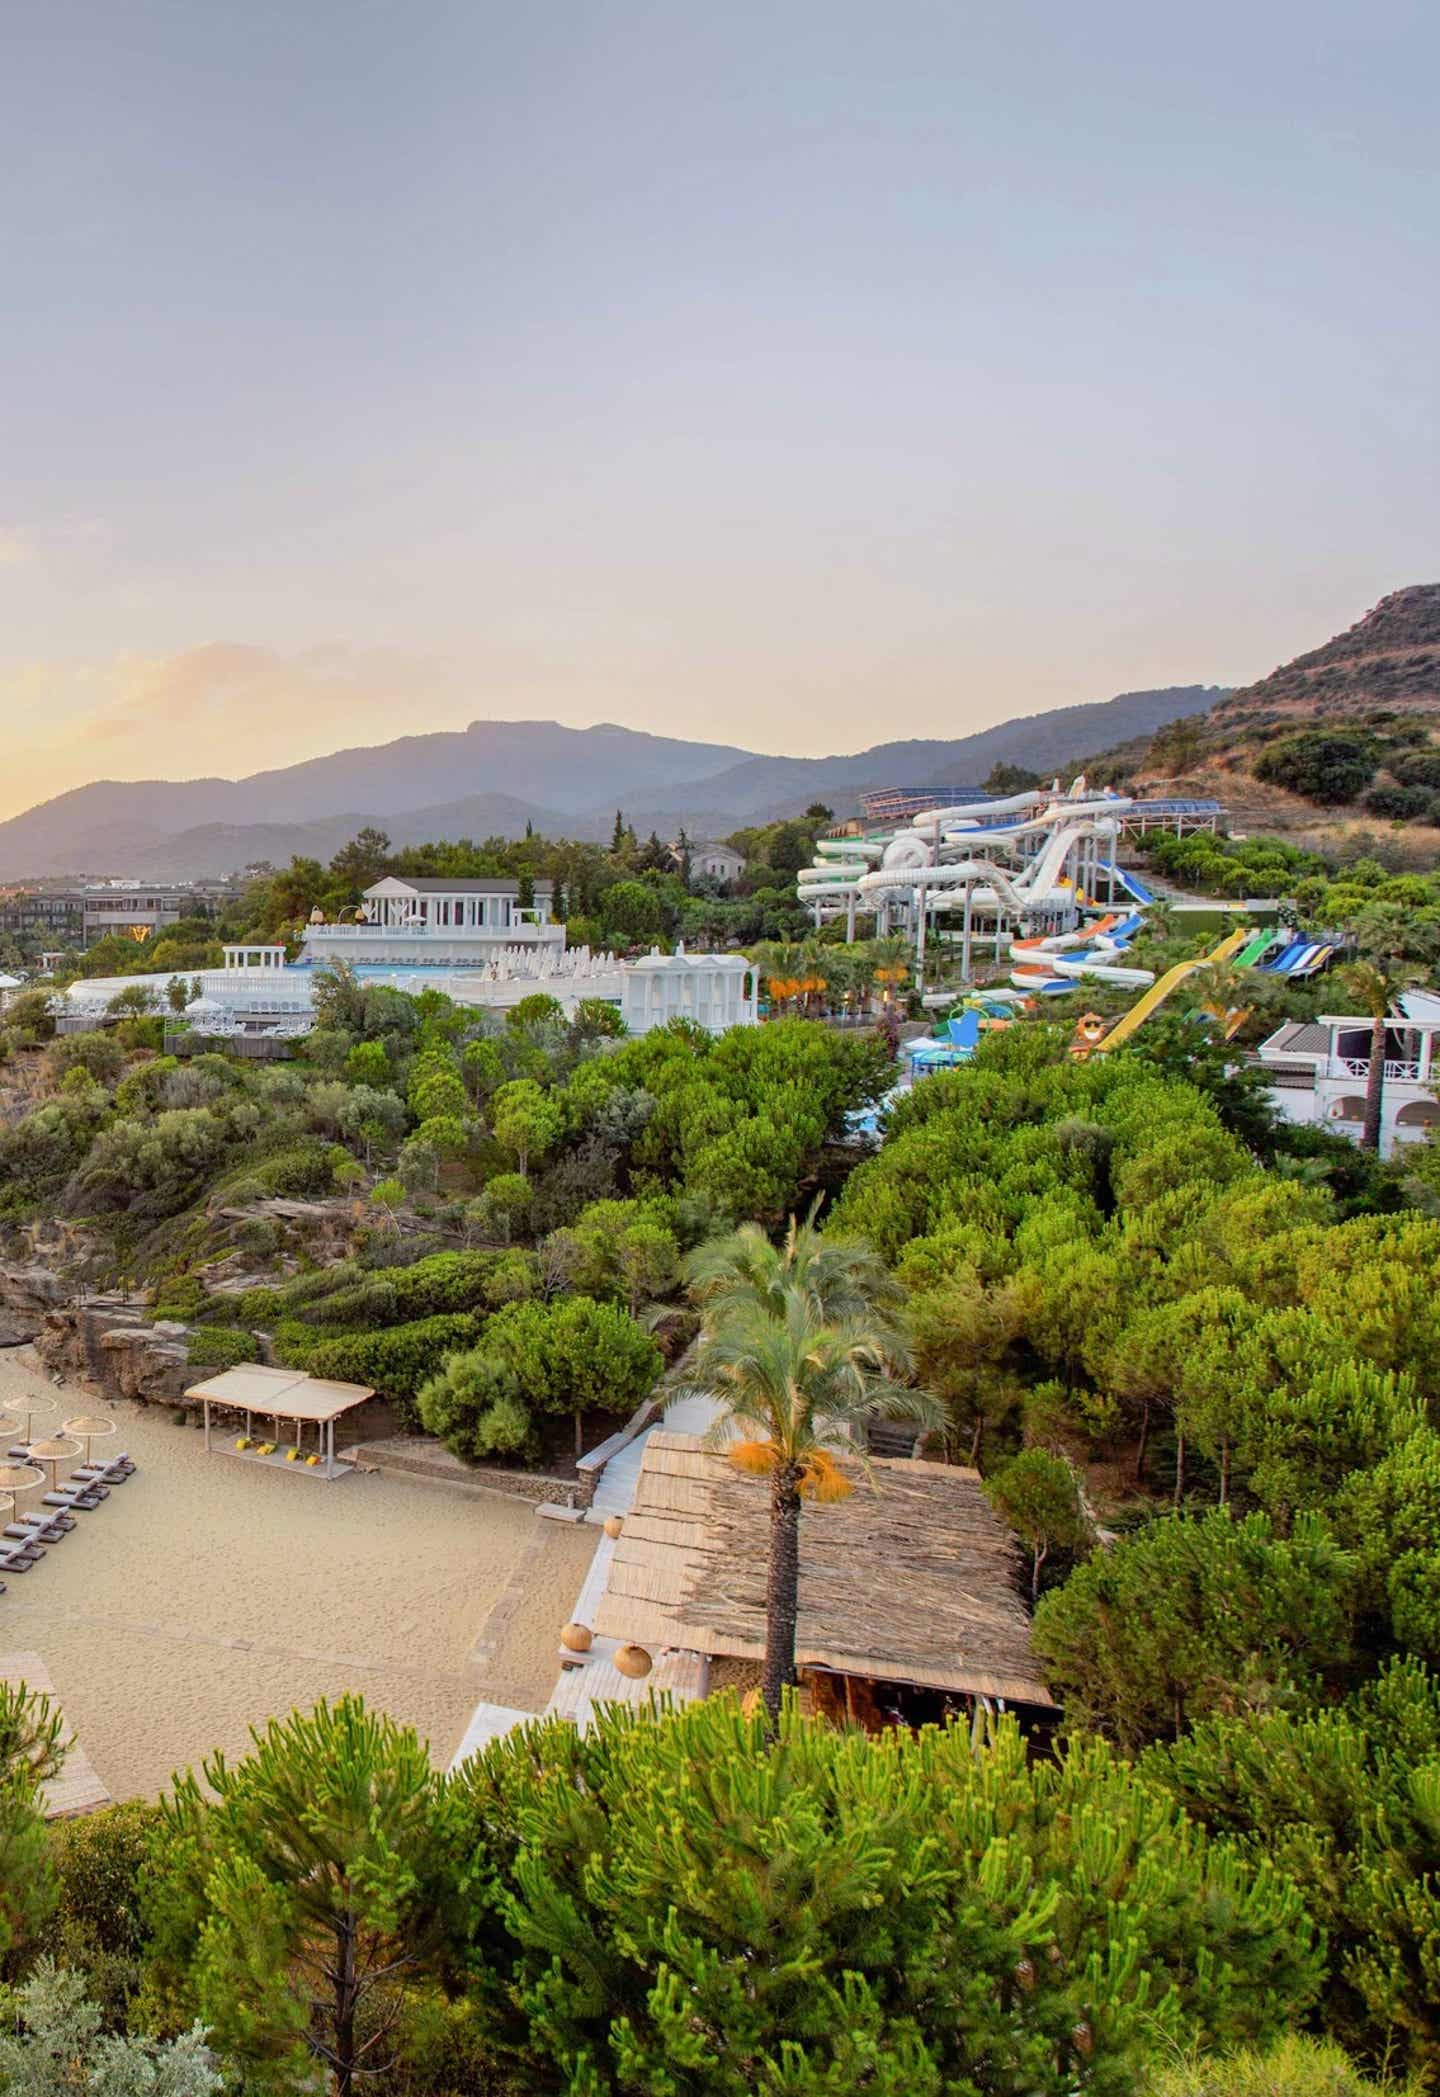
pixel 1009 905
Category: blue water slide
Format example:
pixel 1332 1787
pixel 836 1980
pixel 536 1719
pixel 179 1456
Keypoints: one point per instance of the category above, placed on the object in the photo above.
pixel 965 1031
pixel 1133 885
pixel 1281 964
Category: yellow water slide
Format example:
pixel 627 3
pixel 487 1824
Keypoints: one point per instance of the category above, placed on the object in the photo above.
pixel 1141 1010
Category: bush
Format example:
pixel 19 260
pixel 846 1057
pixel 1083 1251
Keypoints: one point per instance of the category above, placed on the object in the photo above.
pixel 97 1053
pixel 1398 804
pixel 572 1356
pixel 303 1171
pixel 1327 768
pixel 1421 769
pixel 96 1929
pixel 394 1363
pixel 221 1347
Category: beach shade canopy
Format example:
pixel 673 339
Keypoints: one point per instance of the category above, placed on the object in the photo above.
pixel 88 1426
pixel 15 1477
pixel 7 1425
pixel 285 1394
pixel 58 1450
pixel 28 1407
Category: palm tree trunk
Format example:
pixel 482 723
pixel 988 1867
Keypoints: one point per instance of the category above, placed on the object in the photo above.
pixel 782 1590
pixel 1374 1088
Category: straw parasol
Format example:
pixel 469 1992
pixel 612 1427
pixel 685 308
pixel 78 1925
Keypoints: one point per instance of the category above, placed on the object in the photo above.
pixel 54 1452
pixel 29 1406
pixel 89 1426
pixel 8 1426
pixel 15 1477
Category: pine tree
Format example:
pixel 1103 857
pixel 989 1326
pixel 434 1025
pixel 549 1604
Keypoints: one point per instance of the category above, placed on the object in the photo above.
pixel 31 1754
pixel 688 1906
pixel 289 1912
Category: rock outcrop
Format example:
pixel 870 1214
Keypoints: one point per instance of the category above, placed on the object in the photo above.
pixel 27 1297
pixel 108 1344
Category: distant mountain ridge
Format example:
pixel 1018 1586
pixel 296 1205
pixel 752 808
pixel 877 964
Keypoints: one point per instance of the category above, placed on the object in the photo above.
pixel 493 777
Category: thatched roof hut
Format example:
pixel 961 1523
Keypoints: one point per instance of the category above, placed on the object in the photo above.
pixel 911 1579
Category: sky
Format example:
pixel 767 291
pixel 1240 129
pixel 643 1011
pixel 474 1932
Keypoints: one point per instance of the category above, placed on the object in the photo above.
pixel 797 373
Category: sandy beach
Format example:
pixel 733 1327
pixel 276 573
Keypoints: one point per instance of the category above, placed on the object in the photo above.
pixel 208 1595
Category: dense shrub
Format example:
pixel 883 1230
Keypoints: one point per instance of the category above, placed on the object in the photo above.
pixel 1398 804
pixel 1324 767
pixel 303 1171
pixel 570 1356
pixel 98 1053
pixel 97 1928
pixel 394 1363
pixel 1420 769
pixel 220 1347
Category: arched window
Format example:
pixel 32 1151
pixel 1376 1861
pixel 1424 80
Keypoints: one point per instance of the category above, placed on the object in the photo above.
pixel 1419 1114
pixel 1351 1108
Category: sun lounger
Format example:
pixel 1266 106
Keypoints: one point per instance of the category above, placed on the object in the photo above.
pixel 69 1500
pixel 101 1474
pixel 33 1531
pixel 18 1558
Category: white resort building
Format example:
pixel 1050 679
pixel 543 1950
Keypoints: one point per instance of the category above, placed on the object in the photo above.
pixel 441 924
pixel 1318 1070
pixel 261 997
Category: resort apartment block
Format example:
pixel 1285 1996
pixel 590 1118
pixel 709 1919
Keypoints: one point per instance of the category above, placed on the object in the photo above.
pixel 445 924
pixel 77 917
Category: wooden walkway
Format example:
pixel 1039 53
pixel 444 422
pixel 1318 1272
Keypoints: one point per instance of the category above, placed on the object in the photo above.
pixel 77 1789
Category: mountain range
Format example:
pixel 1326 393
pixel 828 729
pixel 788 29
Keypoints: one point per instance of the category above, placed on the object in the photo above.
pixel 494 777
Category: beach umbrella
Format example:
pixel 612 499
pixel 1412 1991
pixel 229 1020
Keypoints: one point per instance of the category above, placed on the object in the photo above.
pixel 15 1477
pixel 29 1406
pixel 8 1426
pixel 89 1426
pixel 54 1452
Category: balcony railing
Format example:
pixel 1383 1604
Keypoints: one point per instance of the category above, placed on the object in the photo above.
pixel 1359 1067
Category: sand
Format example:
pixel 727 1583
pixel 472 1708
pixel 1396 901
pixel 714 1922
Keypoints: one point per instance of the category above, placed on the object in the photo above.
pixel 208 1595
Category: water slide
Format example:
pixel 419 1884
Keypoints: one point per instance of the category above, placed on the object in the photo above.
pixel 1156 995
pixel 1133 886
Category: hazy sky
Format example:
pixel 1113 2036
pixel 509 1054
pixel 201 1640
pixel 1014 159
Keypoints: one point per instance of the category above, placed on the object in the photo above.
pixel 799 373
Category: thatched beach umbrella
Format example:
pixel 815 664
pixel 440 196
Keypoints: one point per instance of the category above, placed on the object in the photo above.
pixel 89 1426
pixel 54 1452
pixel 28 1406
pixel 14 1478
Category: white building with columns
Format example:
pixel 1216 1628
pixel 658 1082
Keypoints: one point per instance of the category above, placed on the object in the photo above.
pixel 441 924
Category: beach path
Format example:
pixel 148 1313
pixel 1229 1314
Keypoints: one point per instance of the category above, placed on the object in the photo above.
pixel 77 1789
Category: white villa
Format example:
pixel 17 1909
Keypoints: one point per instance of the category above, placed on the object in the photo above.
pixel 441 924
pixel 1318 1068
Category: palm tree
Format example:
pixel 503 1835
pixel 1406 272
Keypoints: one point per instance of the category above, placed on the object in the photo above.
pixel 800 1347
pixel 1374 989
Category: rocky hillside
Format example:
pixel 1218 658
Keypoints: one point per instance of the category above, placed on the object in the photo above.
pixel 1389 660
